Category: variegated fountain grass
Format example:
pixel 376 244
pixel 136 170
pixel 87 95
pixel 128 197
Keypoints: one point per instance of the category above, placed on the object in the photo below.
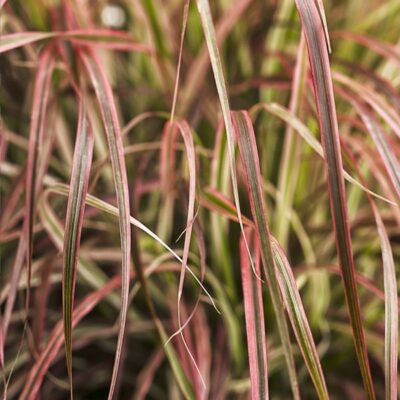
pixel 199 199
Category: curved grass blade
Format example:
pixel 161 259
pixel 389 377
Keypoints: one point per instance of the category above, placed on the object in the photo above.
pixel 248 152
pixel 73 226
pixel 298 318
pixel 288 117
pixel 15 40
pixel 36 135
pixel 255 328
pixel 111 124
pixel 323 88
pixel 109 39
pixel 379 137
pixel 189 145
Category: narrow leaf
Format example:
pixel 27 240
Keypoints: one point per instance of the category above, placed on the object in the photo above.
pixel 73 225
pixel 211 40
pixel 255 329
pixel 36 136
pixel 319 61
pixel 298 318
pixel 111 124
pixel 248 152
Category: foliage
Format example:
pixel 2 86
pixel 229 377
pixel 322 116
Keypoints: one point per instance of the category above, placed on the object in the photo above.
pixel 199 199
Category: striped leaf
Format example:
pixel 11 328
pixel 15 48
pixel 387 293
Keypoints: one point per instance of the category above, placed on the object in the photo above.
pixel 321 75
pixel 73 225
pixel 249 156
pixel 111 124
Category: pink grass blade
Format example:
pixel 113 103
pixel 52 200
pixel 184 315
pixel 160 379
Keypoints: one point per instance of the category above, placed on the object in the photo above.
pixel 36 136
pixel 319 62
pixel 73 226
pixel 111 124
pixel 255 328
pixel 249 156
pixel 298 318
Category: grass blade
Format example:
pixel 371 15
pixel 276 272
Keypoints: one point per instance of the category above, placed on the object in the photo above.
pixel 319 61
pixel 109 39
pixel 298 318
pixel 249 156
pixel 36 136
pixel 211 40
pixel 255 328
pixel 111 124
pixel 287 116
pixel 15 40
pixel 73 226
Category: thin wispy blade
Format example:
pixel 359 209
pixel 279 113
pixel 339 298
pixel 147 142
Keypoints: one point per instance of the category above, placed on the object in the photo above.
pixel 178 70
pixel 298 318
pixel 41 95
pixel 111 125
pixel 323 88
pixel 251 165
pixel 190 152
pixel 73 226
pixel 254 316
pixel 211 40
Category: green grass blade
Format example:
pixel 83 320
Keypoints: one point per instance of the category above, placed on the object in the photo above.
pixel 211 40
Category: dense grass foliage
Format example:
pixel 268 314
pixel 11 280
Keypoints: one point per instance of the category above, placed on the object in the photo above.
pixel 199 199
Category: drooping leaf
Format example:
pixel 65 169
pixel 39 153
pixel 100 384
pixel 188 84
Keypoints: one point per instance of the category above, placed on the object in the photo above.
pixel 111 124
